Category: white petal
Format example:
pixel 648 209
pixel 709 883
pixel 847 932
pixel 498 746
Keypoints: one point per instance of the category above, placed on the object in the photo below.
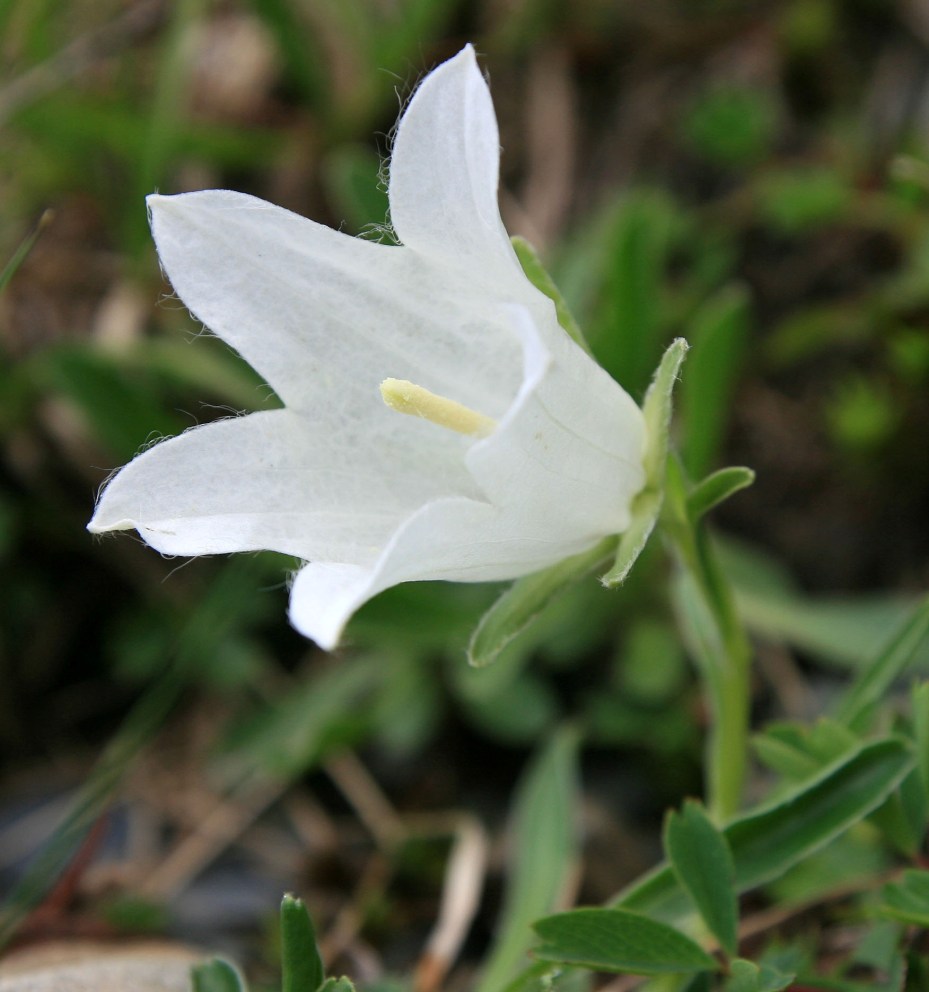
pixel 570 449
pixel 275 481
pixel 322 598
pixel 444 170
pixel 458 540
pixel 323 317
pixel 557 475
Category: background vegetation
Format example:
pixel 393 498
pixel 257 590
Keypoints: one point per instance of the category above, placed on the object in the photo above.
pixel 753 176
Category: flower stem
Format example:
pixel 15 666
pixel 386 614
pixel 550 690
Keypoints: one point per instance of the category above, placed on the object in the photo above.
pixel 720 647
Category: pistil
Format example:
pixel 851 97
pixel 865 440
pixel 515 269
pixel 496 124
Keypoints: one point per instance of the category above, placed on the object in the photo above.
pixel 407 397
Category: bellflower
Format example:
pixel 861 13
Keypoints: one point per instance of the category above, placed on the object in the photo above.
pixel 521 450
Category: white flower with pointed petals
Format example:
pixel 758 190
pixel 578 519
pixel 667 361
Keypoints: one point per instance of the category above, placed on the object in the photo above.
pixel 523 451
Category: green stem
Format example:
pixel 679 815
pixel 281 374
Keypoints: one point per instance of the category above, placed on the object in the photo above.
pixel 728 742
pixel 722 650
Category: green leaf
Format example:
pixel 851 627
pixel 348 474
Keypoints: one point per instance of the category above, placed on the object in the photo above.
pixel 618 940
pixel 908 899
pixel 301 965
pixel 702 862
pixel 767 841
pixel 920 709
pixel 22 251
pixel 539 277
pixel 798 752
pixel 874 682
pixel 544 849
pixel 732 126
pixel 526 598
pixel 718 333
pixel 340 984
pixel 216 975
pixel 746 976
pixel 630 339
pixel 783 750
pixel 656 411
pixel 716 489
pixel 795 199
pixel 847 632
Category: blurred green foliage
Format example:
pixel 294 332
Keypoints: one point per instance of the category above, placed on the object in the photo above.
pixel 750 176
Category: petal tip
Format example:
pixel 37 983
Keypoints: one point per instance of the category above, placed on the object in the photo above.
pixel 96 528
pixel 317 627
pixel 156 200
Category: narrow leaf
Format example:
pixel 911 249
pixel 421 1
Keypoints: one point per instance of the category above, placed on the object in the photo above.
pixel 544 848
pixel 633 287
pixel 799 752
pixel 874 681
pixel 746 976
pixel 618 940
pixel 526 598
pixel 340 984
pixel 717 488
pixel 719 332
pixel 216 975
pixel 301 965
pixel 921 732
pixel 902 819
pixel 769 840
pixel 537 274
pixel 702 862
pixel 25 246
pixel 908 899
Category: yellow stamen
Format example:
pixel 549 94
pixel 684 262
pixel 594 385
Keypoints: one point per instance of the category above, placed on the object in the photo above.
pixel 406 397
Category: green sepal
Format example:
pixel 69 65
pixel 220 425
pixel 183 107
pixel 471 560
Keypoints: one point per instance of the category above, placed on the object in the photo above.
pixel 716 488
pixel 539 277
pixel 700 857
pixel 656 410
pixel 301 965
pixel 644 514
pixel 216 975
pixel 646 506
pixel 525 599
pixel 618 940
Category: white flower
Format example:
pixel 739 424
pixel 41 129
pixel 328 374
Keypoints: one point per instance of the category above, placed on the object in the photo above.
pixel 524 451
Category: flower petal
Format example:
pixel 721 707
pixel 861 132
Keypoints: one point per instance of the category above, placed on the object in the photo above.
pixel 323 317
pixel 458 540
pixel 275 481
pixel 557 476
pixel 570 448
pixel 444 170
